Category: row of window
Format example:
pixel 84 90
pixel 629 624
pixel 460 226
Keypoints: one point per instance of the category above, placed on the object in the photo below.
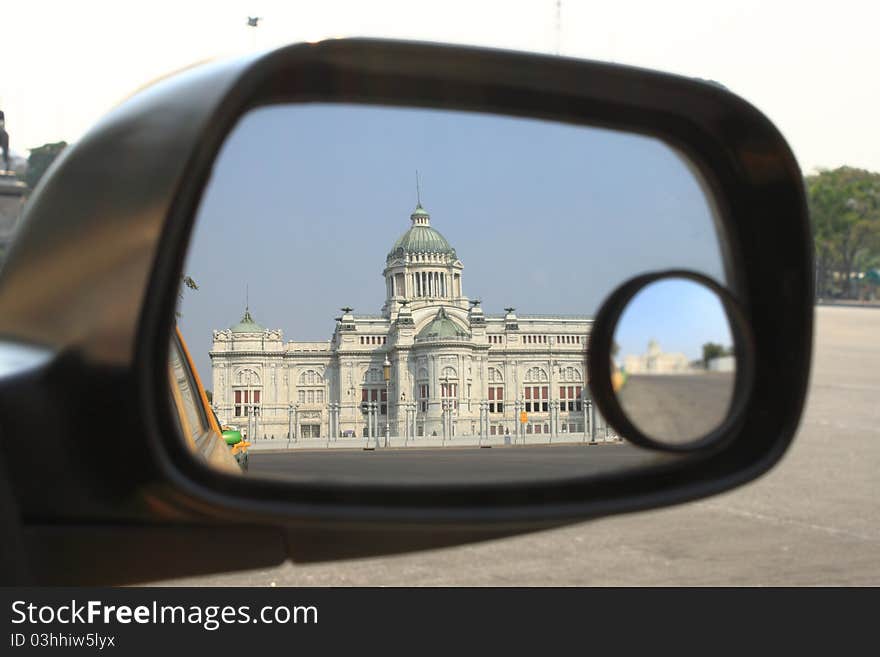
pixel 449 393
pixel 374 339
pixel 376 395
pixel 310 396
pixel 244 398
pixel 565 427
pixel 496 399
pixel 560 339
pixel 310 430
pixel 570 398
pixel 544 427
pixel 535 398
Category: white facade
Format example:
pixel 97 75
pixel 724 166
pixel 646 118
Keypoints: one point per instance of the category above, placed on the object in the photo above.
pixel 656 361
pixel 452 369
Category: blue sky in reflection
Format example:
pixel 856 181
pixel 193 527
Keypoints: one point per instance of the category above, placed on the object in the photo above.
pixel 680 314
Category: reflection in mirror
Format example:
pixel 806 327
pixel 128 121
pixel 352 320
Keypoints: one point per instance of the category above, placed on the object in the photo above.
pixel 674 363
pixel 356 323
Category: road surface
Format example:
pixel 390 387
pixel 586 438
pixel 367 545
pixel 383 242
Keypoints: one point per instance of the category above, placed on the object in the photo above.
pixel 677 408
pixel 451 465
pixel 812 520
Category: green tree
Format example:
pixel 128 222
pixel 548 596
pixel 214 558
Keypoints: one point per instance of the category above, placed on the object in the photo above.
pixel 845 214
pixel 192 285
pixel 40 160
pixel 712 350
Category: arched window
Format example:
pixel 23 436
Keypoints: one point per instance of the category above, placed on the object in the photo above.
pixel 496 390
pixel 374 389
pixel 311 378
pixel 246 392
pixel 247 377
pixel 311 388
pixel 536 375
pixel 572 374
pixel 449 386
pixel 373 375
pixel 536 396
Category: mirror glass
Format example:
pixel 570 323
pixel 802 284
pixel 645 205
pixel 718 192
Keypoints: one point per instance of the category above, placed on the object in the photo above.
pixel 397 295
pixel 674 366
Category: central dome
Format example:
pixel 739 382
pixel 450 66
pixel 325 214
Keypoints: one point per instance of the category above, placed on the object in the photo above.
pixel 420 238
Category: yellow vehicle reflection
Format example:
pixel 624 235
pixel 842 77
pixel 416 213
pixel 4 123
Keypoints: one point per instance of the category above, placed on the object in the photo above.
pixel 198 425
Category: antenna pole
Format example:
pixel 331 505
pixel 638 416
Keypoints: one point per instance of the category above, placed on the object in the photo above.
pixel 418 189
pixel 558 27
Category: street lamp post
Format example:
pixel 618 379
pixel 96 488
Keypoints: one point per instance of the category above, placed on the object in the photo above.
pixel 517 409
pixel 386 373
pixel 591 416
pixel 405 406
pixel 375 410
pixel 365 409
pixel 332 421
pixel 444 405
pixel 289 422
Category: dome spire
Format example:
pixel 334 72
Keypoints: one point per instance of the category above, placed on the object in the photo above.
pixel 420 216
pixel 247 324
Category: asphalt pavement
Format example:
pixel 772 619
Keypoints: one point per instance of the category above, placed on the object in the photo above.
pixel 812 520
pixel 445 465
pixel 677 408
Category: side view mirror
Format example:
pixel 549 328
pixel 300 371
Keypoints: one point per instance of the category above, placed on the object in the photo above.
pixel 612 256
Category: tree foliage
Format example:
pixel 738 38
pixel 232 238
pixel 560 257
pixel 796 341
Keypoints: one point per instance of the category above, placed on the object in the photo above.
pixel 711 350
pixel 192 285
pixel 845 214
pixel 40 160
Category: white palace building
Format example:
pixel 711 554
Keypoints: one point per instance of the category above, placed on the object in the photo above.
pixel 431 364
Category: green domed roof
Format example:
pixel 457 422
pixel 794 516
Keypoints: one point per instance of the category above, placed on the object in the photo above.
pixel 247 324
pixel 420 238
pixel 442 327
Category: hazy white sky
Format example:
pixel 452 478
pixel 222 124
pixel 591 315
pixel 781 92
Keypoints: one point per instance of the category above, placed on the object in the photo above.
pixel 811 67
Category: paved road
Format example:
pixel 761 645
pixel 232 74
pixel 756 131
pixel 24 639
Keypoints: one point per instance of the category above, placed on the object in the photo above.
pixel 677 408
pixel 813 520
pixel 451 465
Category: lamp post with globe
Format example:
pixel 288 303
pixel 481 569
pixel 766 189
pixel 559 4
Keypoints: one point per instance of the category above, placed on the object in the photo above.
pixel 386 373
